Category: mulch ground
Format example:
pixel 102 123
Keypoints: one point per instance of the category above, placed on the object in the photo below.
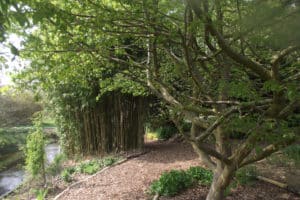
pixel 131 180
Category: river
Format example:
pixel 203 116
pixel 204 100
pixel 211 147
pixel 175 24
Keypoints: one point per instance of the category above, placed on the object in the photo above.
pixel 13 177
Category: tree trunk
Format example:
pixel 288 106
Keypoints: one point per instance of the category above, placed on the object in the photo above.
pixel 220 182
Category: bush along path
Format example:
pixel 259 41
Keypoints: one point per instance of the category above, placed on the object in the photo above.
pixel 141 178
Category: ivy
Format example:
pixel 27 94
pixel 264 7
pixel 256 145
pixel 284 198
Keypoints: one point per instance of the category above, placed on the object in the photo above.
pixel 35 150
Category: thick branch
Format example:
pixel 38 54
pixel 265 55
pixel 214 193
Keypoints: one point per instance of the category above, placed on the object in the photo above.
pixel 212 152
pixel 209 131
pixel 272 148
pixel 243 60
pixel 277 58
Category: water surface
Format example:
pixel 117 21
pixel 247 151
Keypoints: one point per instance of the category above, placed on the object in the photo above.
pixel 14 176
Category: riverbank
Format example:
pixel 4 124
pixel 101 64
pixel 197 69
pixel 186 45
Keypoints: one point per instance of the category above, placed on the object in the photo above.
pixel 9 160
pixel 14 175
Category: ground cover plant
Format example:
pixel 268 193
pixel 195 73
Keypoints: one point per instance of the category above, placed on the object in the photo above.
pixel 88 167
pixel 175 181
pixel 172 182
pixel 231 68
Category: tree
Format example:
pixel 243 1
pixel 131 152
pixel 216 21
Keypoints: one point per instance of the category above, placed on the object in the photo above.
pixel 229 67
pixel 96 113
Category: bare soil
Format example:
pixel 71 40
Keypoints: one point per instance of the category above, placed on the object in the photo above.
pixel 131 180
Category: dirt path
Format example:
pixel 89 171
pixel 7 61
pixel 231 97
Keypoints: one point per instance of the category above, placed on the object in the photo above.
pixel 131 180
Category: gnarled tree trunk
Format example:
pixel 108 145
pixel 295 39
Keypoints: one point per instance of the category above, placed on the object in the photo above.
pixel 221 180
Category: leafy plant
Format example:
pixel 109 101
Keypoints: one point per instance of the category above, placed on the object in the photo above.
pixel 66 175
pixel 166 132
pixel 55 167
pixel 90 167
pixel 35 151
pixel 107 161
pixel 173 182
pixel 246 175
pixel 41 194
pixel 186 126
pixel 170 183
pixel 293 153
pixel 93 166
pixel 203 176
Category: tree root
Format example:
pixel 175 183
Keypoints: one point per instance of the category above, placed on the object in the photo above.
pixel 278 184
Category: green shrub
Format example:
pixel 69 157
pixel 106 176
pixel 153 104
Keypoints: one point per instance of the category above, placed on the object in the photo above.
pixel 201 175
pixel 186 126
pixel 293 153
pixel 35 151
pixel 55 167
pixel 108 161
pixel 41 194
pixel 93 166
pixel 173 182
pixel 246 175
pixel 170 183
pixel 166 132
pixel 90 167
pixel 66 175
pixel 17 109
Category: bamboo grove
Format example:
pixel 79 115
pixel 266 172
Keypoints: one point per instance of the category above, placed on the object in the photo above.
pixel 230 67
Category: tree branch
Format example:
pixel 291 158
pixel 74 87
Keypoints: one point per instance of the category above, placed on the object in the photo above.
pixel 209 130
pixel 239 58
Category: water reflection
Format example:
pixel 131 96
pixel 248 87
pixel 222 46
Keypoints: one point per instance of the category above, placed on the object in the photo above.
pixel 11 178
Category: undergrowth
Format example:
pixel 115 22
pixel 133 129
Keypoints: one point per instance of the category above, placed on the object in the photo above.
pixel 293 153
pixel 89 167
pixel 175 181
pixel 172 182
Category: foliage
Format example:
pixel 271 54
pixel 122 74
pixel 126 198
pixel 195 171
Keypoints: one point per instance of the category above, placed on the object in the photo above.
pixel 108 161
pixel 15 136
pixel 41 194
pixel 172 182
pixel 229 67
pixel 293 152
pixel 66 175
pixel 10 159
pixel 35 151
pixel 246 175
pixel 17 110
pixel 186 126
pixel 203 176
pixel 166 132
pixel 56 166
pixel 93 166
pixel 88 167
